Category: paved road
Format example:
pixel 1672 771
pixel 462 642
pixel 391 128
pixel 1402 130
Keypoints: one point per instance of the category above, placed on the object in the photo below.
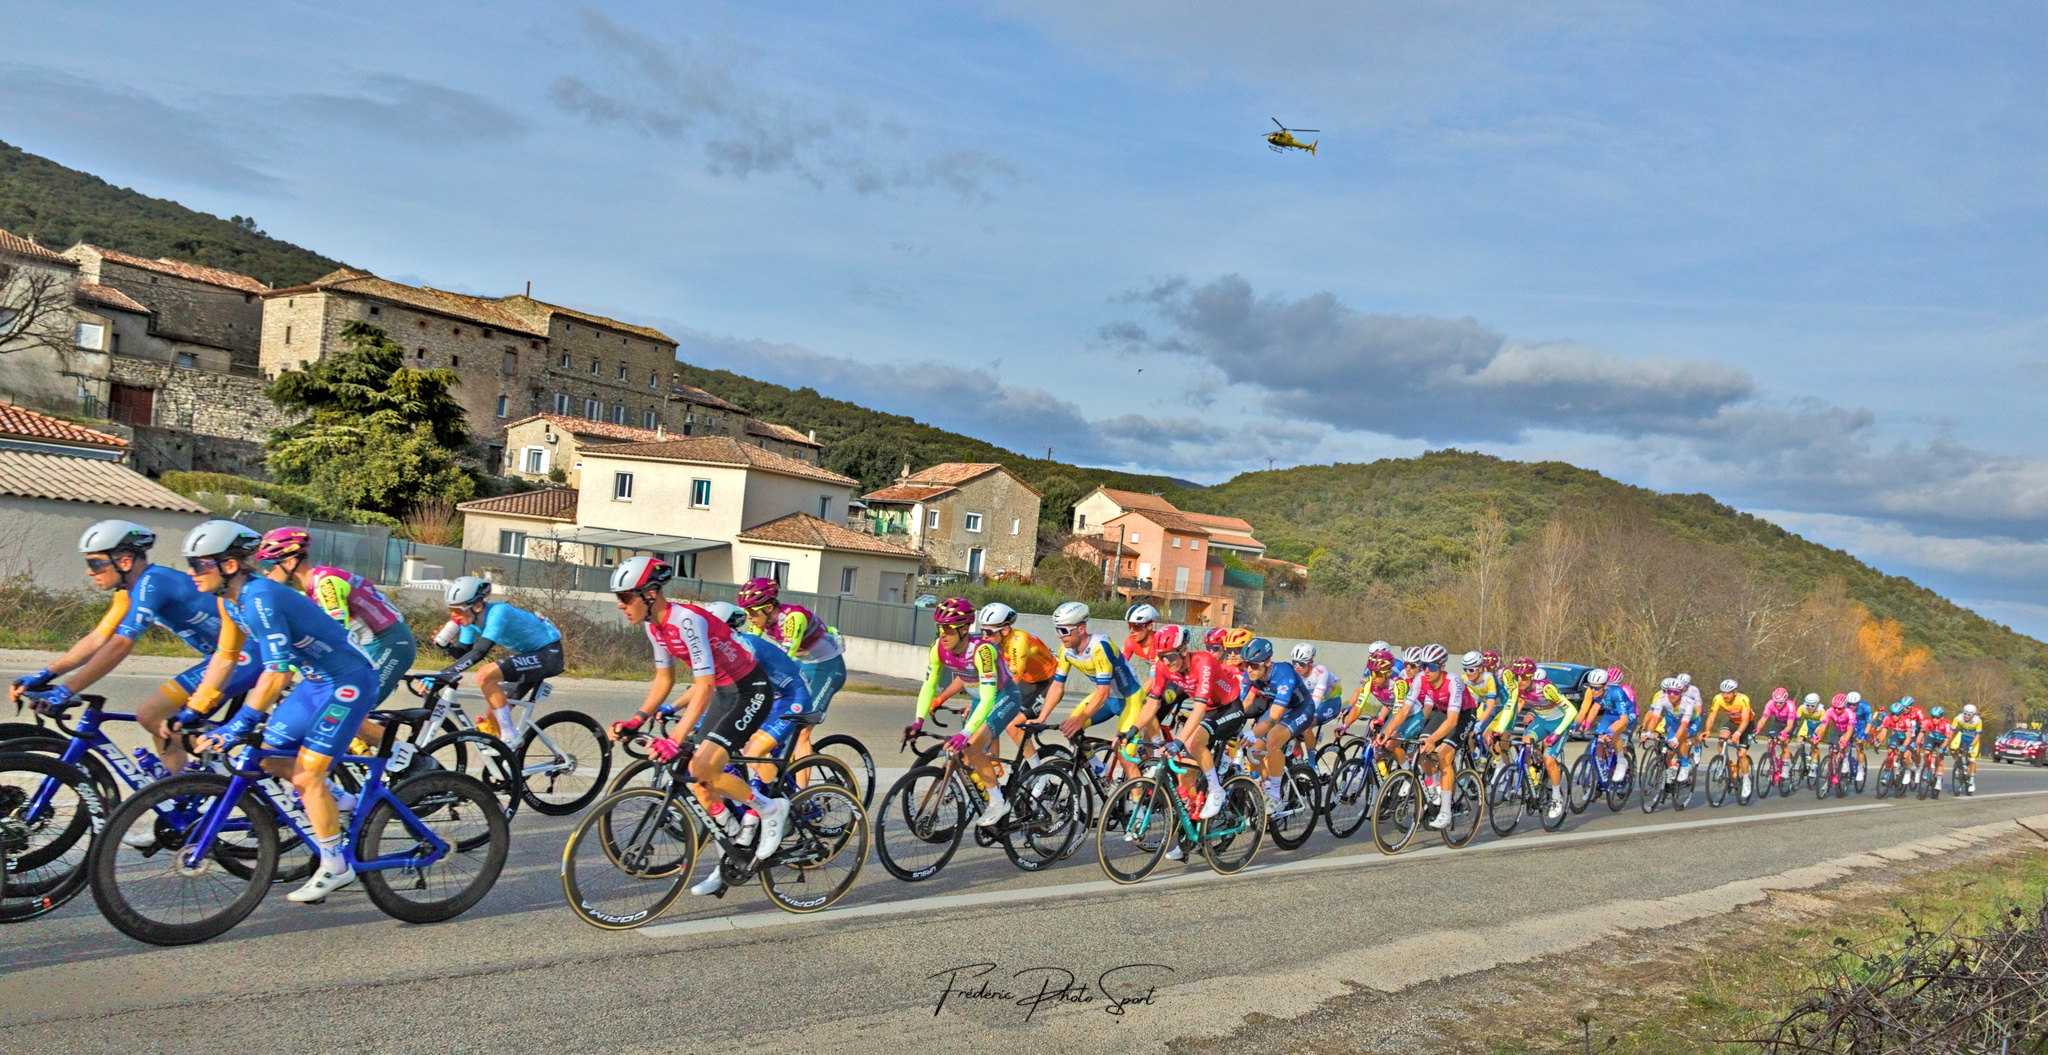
pixel 521 973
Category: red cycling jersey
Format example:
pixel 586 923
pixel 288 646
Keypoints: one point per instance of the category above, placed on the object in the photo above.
pixel 1207 680
pixel 701 640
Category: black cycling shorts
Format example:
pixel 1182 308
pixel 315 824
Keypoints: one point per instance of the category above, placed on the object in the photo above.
pixel 1033 694
pixel 522 672
pixel 748 703
pixel 1223 723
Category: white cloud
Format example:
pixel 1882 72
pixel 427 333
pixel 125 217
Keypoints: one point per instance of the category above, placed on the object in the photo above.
pixel 409 110
pixel 1885 541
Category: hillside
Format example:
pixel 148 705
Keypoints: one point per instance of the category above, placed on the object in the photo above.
pixel 1395 520
pixel 60 207
pixel 872 446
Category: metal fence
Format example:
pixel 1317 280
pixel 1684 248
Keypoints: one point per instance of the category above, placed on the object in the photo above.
pixel 371 552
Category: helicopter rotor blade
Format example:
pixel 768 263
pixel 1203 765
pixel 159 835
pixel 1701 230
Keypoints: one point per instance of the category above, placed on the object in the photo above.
pixel 1276 121
pixel 1304 130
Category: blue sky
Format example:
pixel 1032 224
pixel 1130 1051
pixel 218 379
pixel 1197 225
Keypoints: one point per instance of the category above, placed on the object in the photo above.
pixel 1790 255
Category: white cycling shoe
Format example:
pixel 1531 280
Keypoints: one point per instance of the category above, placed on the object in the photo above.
pixel 322 884
pixel 140 837
pixel 996 811
pixel 1556 806
pixel 713 883
pixel 1176 853
pixel 1442 819
pixel 1212 804
pixel 772 820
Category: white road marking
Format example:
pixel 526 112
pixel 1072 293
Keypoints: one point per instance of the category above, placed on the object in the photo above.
pixel 753 920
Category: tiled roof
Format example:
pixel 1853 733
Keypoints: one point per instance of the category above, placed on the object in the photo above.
pixel 907 493
pixel 1230 524
pixel 757 427
pixel 576 426
pixel 803 529
pixel 1170 519
pixel 951 473
pixel 30 474
pixel 706 399
pixel 1239 541
pixel 15 243
pixel 538 312
pixel 480 310
pixel 27 424
pixel 194 272
pixel 548 503
pixel 1102 544
pixel 1134 500
pixel 108 296
pixel 718 450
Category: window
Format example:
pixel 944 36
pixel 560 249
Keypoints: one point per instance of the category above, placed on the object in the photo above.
pixel 1015 523
pixel 932 523
pixel 1208 580
pixel 89 336
pixel 685 565
pixel 622 487
pixel 846 579
pixel 1081 522
pixel 1194 543
pixel 622 371
pixel 536 460
pixel 1145 570
pixel 487 335
pixel 974 522
pixel 1134 538
pixel 503 405
pixel 561 402
pixel 1180 579
pixel 618 413
pixel 974 562
pixel 700 494
pixel 770 569
pixel 653 378
pixel 454 360
pixel 564 361
pixel 423 324
pixel 420 353
pixel 647 419
pixel 593 366
pixel 374 309
pixel 568 327
pixel 185 359
pixel 511 362
pixel 593 410
pixel 1176 542
pixel 287 335
pixel 824 507
pixel 512 543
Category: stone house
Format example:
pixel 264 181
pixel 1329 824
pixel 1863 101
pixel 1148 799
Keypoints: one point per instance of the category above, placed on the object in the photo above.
pixel 535 446
pixel 200 317
pixel 56 337
pixel 973 517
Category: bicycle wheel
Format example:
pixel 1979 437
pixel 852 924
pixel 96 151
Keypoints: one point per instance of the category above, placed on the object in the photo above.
pixel 1862 773
pixel 1618 789
pixel 1350 798
pixel 458 811
pixel 1885 779
pixel 1717 781
pixel 1396 810
pixel 640 773
pixel 1049 803
pixel 1232 837
pixel 1295 821
pixel 43 849
pixel 1138 821
pixel 569 775
pixel 1504 801
pixel 1468 800
pixel 1959 777
pixel 824 845
pixel 920 824
pixel 1551 820
pixel 483 758
pixel 628 859
pixel 163 895
pixel 1826 783
pixel 1682 789
pixel 1329 758
pixel 1584 784
pixel 854 756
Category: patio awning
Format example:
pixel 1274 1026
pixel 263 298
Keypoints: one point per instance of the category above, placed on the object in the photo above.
pixel 638 540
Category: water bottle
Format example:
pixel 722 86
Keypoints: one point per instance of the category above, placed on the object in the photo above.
pixel 1100 766
pixel 149 764
pixel 749 825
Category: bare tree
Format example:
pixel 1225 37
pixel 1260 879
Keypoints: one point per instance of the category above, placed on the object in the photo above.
pixel 1486 579
pixel 36 312
pixel 1551 604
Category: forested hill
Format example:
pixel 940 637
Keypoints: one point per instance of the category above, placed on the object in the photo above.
pixel 872 446
pixel 60 207
pixel 1395 519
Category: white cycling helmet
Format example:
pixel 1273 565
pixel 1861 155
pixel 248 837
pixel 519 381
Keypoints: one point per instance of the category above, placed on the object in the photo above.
pixel 996 615
pixel 1432 654
pixel 1685 680
pixel 730 614
pixel 1813 697
pixel 640 573
pixel 1540 675
pixel 112 536
pixel 220 538
pixel 466 591
pixel 1072 613
pixel 1304 653
pixel 1669 684
pixel 1728 686
pixel 1379 646
pixel 1969 710
pixel 1597 677
pixel 1140 614
pixel 1471 660
pixel 1852 699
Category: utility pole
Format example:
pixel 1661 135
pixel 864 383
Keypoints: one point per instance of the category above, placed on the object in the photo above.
pixel 1048 454
pixel 1269 464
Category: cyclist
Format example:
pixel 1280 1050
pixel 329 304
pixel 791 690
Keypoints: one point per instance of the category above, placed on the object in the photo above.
pixel 1740 717
pixel 1116 690
pixel 957 655
pixel 1861 706
pixel 1934 743
pixel 475 627
pixel 1902 732
pixel 1964 737
pixel 1322 687
pixel 1439 700
pixel 730 692
pixel 1610 707
pixel 1780 709
pixel 1550 714
pixel 1841 717
pixel 1916 753
pixel 117 559
pixel 1674 712
pixel 784 725
pixel 1282 706
pixel 1482 689
pixel 1138 624
pixel 319 716
pixel 798 632
pixel 1032 665
pixel 373 623
pixel 1380 690
pixel 1515 682
pixel 1214 690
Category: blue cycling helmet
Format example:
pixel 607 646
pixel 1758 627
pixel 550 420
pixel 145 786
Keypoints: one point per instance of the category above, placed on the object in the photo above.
pixel 1258 650
pixel 1905 701
pixel 1937 712
pixel 1898 708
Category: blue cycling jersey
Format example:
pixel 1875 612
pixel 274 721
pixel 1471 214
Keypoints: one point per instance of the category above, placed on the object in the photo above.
pixel 1615 701
pixel 166 598
pixel 513 629
pixel 784 673
pixel 287 629
pixel 1283 687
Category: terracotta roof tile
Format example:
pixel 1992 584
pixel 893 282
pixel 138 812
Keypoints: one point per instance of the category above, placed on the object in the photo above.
pixel 703 398
pixel 803 529
pixel 15 243
pixel 1241 541
pixel 483 311
pixel 27 424
pixel 908 493
pixel 1134 500
pixel 1103 545
pixel 539 311
pixel 1170 519
pixel 576 426
pixel 195 272
pixel 549 503
pixel 30 474
pixel 108 296
pixel 757 427
pixel 951 473
pixel 718 450
pixel 1230 524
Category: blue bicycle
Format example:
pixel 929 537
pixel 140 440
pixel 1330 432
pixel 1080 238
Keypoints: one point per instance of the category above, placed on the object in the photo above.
pixel 1523 787
pixel 213 862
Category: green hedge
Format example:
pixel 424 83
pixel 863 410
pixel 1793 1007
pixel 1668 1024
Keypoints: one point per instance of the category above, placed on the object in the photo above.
pixel 285 499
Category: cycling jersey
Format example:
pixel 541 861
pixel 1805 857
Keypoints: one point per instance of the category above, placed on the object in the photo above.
pixel 1284 688
pixel 1207 681
pixel 1615 701
pixel 1963 734
pixel 1839 718
pixel 1735 705
pixel 1438 691
pixel 1779 711
pixel 1027 656
pixel 982 663
pixel 165 598
pixel 705 642
pixel 1901 728
pixel 796 630
pixel 1100 660
pixel 1322 685
pixel 515 629
pixel 1937 730
pixel 287 630
pixel 1484 690
pixel 350 599
pixel 1392 692
pixel 1146 650
pixel 786 677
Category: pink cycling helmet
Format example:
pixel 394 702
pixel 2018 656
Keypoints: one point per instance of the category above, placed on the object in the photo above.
pixel 279 543
pixel 953 611
pixel 758 592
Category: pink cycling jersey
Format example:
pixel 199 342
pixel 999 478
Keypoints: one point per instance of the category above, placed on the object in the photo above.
pixel 710 647
pixel 1447 694
pixel 1841 718
pixel 364 606
pixel 1780 710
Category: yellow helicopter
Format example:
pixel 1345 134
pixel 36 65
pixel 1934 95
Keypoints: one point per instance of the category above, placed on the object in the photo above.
pixel 1284 139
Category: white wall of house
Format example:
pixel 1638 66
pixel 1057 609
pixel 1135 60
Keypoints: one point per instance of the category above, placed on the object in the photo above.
pixel 1092 512
pixel 875 575
pixel 771 495
pixel 803 562
pixel 481 532
pixel 661 498
pixel 39 537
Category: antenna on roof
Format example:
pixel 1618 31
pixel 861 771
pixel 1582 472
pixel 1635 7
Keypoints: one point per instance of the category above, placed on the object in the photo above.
pixel 529 289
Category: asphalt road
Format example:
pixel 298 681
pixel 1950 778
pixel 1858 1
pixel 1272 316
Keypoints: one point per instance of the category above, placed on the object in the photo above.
pixel 521 973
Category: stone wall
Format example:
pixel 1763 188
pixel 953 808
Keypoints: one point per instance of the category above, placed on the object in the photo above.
pixel 191 311
pixel 999 498
pixel 203 422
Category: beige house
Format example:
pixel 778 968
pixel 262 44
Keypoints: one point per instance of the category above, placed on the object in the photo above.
pixel 502 525
pixel 535 446
pixel 973 517
pixel 1148 549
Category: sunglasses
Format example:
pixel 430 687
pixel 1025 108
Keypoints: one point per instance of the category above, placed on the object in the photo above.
pixel 1065 631
pixel 203 564
pixel 97 564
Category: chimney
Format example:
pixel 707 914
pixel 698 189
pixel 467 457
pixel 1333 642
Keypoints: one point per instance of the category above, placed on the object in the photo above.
pixel 529 289
pixel 814 435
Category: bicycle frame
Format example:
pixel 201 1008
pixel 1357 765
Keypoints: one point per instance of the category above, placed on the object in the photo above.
pixel 522 716
pixel 86 737
pixel 246 774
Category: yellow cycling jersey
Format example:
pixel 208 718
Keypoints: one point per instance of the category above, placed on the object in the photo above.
pixel 1733 704
pixel 1813 712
